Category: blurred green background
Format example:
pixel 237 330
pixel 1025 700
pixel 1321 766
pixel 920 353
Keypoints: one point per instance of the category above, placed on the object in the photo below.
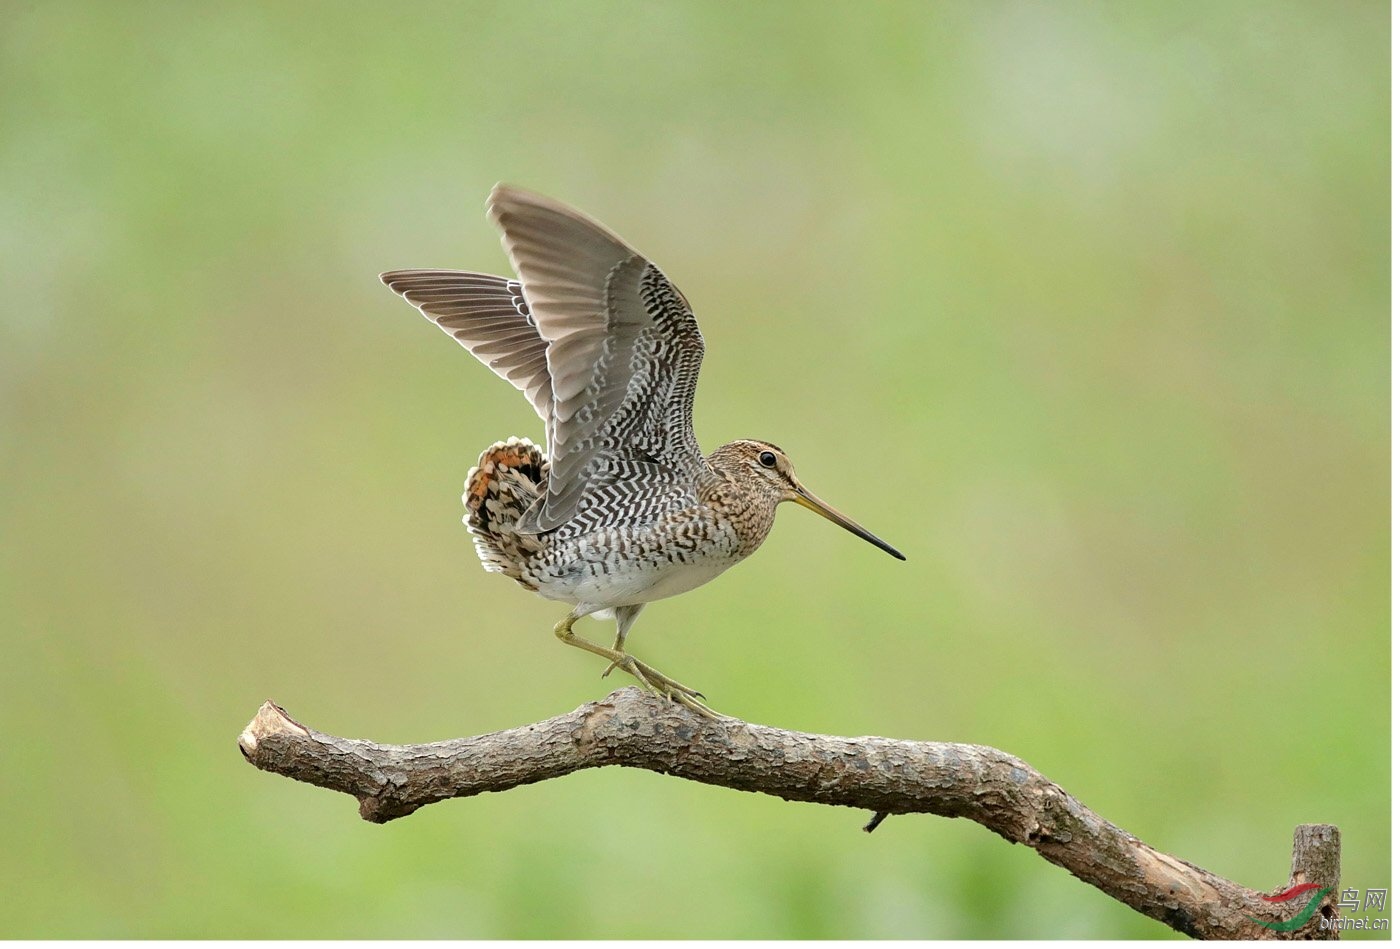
pixel 1082 305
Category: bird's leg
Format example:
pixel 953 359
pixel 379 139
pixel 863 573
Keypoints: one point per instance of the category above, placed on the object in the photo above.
pixel 625 616
pixel 649 677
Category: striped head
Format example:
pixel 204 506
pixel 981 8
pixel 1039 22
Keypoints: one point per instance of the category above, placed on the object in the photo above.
pixel 761 476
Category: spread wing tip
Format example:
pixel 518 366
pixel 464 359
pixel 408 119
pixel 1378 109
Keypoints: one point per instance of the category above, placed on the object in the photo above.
pixel 401 280
pixel 503 196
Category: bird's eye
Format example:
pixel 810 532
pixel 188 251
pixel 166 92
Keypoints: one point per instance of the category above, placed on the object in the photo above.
pixel 767 459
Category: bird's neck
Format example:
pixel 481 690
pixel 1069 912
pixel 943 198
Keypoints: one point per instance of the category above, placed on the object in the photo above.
pixel 749 511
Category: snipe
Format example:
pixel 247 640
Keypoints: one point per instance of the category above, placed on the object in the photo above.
pixel 621 508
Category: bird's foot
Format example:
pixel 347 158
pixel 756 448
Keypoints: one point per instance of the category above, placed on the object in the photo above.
pixel 664 685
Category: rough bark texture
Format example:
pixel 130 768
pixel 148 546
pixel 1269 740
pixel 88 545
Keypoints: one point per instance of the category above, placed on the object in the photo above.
pixel 633 729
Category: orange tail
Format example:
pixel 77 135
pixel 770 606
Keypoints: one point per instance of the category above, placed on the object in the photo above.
pixel 507 479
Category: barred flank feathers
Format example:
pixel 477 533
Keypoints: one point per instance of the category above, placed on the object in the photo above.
pixel 507 479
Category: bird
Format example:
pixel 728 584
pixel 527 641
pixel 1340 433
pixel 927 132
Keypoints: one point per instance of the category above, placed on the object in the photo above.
pixel 620 507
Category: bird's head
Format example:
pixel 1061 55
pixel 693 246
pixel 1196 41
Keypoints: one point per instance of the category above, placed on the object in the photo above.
pixel 764 468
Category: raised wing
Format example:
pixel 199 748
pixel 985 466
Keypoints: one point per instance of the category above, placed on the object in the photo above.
pixel 487 315
pixel 623 353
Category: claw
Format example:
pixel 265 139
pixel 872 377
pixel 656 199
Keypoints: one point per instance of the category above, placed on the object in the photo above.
pixel 662 685
pixel 670 689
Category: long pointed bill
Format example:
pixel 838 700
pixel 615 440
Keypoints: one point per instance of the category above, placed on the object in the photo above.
pixel 813 503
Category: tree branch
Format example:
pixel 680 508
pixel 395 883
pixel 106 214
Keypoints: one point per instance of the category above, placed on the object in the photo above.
pixel 634 729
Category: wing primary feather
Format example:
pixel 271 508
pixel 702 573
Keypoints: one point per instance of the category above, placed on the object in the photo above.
pixel 489 317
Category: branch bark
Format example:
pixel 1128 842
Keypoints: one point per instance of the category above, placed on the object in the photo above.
pixel 634 729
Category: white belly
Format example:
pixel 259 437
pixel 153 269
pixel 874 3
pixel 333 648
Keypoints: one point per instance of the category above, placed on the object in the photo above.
pixel 596 575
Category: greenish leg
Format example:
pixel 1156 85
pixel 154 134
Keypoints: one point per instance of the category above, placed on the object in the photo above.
pixel 662 685
pixel 625 617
